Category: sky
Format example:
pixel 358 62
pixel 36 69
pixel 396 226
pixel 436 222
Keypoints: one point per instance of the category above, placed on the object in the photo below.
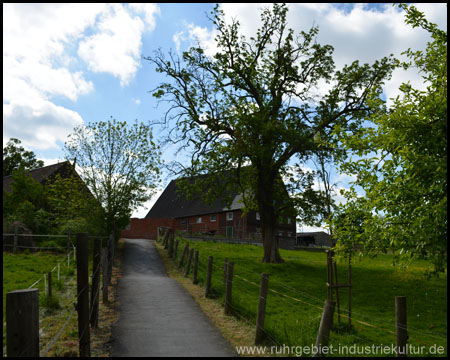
pixel 66 65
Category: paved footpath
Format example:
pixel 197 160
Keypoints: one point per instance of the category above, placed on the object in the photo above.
pixel 157 317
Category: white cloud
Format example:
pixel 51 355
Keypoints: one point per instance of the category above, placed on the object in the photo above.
pixel 115 49
pixel 34 48
pixel 150 10
pixel 36 67
pixel 177 38
pixel 40 61
pixel 40 125
pixel 204 37
pixel 359 32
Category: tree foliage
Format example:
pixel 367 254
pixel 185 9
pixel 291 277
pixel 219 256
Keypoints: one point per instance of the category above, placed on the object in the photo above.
pixel 118 163
pixel 73 206
pixel 255 103
pixel 405 205
pixel 15 156
pixel 26 203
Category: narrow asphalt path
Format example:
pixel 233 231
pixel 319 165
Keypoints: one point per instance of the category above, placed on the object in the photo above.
pixel 157 317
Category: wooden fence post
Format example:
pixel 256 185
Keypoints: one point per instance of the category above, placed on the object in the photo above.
pixel 188 267
pixel 95 282
pixel 68 241
pixel 175 249
pixel 229 288
pixel 166 238
pixel 158 233
pixel 83 294
pixel 400 326
pixel 337 292
pixel 110 255
pixel 264 286
pixel 194 278
pixel 350 289
pixel 208 277
pixel 329 275
pixel 172 238
pixel 22 323
pixel 186 249
pixel 16 238
pixel 49 284
pixel 105 275
pixel 225 267
pixel 325 326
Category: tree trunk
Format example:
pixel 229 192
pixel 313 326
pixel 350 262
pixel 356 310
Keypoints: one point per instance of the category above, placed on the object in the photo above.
pixel 270 244
pixel 268 219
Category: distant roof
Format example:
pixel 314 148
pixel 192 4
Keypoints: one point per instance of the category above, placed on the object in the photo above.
pixel 171 204
pixel 40 174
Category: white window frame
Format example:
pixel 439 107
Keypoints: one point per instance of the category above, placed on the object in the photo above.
pixel 212 218
pixel 199 220
pixel 258 216
pixel 229 216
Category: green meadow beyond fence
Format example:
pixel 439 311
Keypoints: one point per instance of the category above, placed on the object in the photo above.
pixel 22 305
pixel 257 303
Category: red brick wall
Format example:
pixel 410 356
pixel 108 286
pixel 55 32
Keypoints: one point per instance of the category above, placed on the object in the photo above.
pixel 145 228
pixel 218 226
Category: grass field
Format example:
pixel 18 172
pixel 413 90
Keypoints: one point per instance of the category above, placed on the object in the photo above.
pixel 22 270
pixel 297 292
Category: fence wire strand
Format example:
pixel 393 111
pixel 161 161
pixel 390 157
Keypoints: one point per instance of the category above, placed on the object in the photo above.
pixel 311 297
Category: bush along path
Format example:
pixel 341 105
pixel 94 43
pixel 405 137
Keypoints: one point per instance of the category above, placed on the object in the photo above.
pixel 156 315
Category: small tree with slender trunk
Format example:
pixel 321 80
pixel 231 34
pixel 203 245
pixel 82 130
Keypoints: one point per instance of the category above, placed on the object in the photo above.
pixel 119 164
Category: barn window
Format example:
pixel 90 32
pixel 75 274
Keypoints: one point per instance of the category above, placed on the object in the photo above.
pixel 258 217
pixel 212 218
pixel 229 216
pixel 199 220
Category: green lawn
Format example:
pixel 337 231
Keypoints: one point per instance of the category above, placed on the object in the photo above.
pixel 297 292
pixel 21 270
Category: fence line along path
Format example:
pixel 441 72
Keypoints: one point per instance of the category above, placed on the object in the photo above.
pixel 157 317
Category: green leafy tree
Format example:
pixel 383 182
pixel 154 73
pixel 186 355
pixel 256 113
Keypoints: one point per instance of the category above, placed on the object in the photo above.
pixel 15 156
pixel 405 205
pixel 119 164
pixel 74 206
pixel 254 103
pixel 26 203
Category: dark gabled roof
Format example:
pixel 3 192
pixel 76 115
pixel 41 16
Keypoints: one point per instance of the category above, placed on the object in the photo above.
pixel 40 175
pixel 172 204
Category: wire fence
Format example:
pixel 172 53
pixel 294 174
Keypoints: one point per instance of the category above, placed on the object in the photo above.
pixel 311 305
pixel 93 311
pixel 39 242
